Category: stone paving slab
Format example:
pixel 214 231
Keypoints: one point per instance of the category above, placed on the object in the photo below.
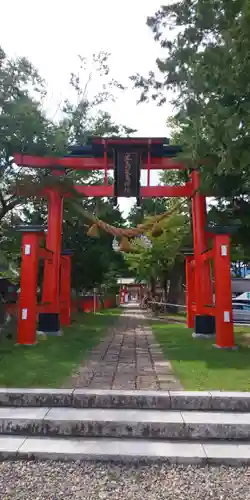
pixel 9 445
pixel 227 453
pixel 110 398
pixel 23 413
pixel 129 450
pixel 192 400
pixel 87 398
pixel 111 449
pixel 125 423
pixel 127 358
pixel 35 397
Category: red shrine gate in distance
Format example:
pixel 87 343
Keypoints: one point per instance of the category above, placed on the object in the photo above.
pixel 126 157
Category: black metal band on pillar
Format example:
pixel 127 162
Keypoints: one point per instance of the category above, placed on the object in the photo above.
pixel 127 174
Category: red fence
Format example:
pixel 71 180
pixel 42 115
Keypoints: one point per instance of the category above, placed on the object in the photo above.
pixel 85 304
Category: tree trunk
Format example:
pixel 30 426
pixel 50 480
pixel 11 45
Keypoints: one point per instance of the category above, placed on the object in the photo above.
pixel 164 284
pixel 2 313
pixel 175 288
pixel 152 286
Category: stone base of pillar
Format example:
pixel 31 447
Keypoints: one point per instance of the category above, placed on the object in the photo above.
pixel 49 324
pixel 204 327
pixel 233 348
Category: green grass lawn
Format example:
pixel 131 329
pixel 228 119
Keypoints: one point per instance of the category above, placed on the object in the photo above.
pixel 179 317
pixel 199 366
pixel 52 360
pixel 176 318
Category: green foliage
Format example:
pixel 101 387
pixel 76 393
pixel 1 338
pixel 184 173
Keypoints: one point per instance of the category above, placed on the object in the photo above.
pixel 149 206
pixel 206 64
pixel 157 262
pixel 24 127
pixel 84 116
pixel 23 124
pixel 94 261
pixel 205 67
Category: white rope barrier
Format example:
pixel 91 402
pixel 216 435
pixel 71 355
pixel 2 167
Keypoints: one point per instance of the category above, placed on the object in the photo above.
pixel 167 304
pixel 239 317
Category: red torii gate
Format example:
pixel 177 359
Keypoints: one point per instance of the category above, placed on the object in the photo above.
pixel 149 154
pixel 27 317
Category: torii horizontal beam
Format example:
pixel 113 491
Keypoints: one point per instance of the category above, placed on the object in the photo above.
pixel 145 191
pixel 91 163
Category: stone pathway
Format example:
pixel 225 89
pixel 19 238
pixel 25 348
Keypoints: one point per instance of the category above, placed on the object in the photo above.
pixel 127 358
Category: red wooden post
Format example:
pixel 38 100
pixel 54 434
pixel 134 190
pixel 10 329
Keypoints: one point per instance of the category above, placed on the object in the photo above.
pixel 106 162
pixel 26 330
pixel 149 162
pixel 49 321
pixel 204 324
pixel 190 291
pixel 198 246
pixel 206 268
pixel 53 243
pixel 223 292
pixel 203 273
pixel 65 290
pixel 121 295
pixel 125 291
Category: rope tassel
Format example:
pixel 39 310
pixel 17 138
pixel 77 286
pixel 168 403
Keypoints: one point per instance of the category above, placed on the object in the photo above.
pixel 157 230
pixel 125 245
pixel 93 231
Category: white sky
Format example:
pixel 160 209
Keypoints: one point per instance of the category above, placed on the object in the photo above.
pixel 53 32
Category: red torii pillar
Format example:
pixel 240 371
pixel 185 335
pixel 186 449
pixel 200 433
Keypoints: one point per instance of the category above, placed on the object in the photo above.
pixel 223 293
pixel 190 290
pixel 65 288
pixel 121 295
pixel 221 311
pixel 123 292
pixel 49 321
pixel 204 324
pixel 27 314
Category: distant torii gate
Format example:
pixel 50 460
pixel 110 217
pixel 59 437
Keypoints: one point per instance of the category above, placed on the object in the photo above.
pixel 127 157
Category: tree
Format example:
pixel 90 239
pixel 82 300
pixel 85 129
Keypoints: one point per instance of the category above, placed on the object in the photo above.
pixel 23 124
pixel 149 206
pixel 164 262
pixel 206 67
pixel 25 127
pixel 94 261
pixel 85 115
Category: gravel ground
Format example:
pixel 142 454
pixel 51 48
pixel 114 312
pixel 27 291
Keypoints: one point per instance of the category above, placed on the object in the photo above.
pixel 88 481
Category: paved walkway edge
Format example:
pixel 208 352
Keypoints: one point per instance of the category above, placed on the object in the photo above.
pixel 93 398
pixel 201 453
pixel 128 357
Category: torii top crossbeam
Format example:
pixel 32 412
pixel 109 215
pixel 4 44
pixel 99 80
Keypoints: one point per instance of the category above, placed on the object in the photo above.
pixel 127 156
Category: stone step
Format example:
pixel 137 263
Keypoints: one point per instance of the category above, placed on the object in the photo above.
pixel 161 400
pixel 71 449
pixel 124 423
